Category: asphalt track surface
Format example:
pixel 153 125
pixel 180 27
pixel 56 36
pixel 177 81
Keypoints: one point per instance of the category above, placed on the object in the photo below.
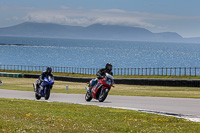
pixel 187 108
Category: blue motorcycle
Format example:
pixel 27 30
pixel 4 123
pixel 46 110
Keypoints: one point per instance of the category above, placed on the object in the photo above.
pixel 44 89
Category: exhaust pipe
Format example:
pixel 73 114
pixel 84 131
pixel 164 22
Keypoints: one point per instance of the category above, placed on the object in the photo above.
pixel 34 86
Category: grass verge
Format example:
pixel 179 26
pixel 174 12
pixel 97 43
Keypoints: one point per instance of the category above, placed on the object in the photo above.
pixel 25 84
pixel 33 116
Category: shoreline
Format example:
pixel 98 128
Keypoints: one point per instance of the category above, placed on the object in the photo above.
pixel 3 44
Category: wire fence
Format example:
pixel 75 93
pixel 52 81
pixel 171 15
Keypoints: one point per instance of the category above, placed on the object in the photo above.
pixel 168 71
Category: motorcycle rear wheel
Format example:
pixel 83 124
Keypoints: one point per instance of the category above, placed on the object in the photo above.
pixel 88 97
pixel 37 96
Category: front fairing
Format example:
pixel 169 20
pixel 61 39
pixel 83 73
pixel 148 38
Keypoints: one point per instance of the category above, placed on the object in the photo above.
pixel 108 81
pixel 46 84
pixel 48 81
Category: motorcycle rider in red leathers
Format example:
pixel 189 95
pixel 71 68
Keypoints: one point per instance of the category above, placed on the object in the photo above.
pixel 101 74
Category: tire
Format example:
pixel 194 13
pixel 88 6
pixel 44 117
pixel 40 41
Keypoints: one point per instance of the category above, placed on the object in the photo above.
pixel 88 97
pixel 47 94
pixel 37 96
pixel 103 95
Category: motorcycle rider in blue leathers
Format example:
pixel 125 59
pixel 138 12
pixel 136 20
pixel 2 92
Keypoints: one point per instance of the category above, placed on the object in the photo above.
pixel 101 74
pixel 46 73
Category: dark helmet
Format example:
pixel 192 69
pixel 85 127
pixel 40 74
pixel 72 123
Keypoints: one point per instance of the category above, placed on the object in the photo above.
pixel 49 70
pixel 108 66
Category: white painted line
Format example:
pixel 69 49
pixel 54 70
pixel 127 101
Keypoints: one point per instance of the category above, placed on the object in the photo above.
pixel 191 118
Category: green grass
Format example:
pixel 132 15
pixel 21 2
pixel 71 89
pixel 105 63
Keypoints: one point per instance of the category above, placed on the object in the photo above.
pixel 115 76
pixel 54 73
pixel 33 116
pixel 25 84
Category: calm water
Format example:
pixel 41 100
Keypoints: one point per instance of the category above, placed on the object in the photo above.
pixel 95 53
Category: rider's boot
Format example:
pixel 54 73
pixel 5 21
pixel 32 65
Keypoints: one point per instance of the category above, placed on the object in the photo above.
pixel 92 84
pixel 40 88
pixel 90 89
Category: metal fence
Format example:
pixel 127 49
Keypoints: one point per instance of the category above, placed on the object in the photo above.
pixel 176 71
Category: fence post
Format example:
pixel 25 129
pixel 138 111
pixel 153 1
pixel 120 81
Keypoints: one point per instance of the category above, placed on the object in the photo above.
pixel 128 71
pixel 157 71
pixel 138 71
pixel 131 71
pixel 195 70
pixel 149 71
pixel 175 71
pixel 170 71
pixel 142 71
pixel 185 72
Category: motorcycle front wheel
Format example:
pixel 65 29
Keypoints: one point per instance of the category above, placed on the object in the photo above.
pixel 88 97
pixel 47 94
pixel 103 95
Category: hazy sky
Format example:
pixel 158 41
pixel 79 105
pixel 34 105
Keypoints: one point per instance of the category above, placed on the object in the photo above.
pixel 181 16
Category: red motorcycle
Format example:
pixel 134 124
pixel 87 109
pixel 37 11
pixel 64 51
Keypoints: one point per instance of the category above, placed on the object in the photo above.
pixel 101 89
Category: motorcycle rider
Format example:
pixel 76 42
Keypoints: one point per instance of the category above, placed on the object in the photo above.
pixel 101 74
pixel 46 73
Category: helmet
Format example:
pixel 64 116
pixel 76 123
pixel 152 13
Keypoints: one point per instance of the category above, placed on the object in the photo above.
pixel 49 70
pixel 108 66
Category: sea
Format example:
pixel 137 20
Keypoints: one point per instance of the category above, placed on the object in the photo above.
pixel 96 53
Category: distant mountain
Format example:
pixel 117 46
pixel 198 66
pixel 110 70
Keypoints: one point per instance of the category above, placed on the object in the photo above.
pixel 95 31
pixel 29 29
